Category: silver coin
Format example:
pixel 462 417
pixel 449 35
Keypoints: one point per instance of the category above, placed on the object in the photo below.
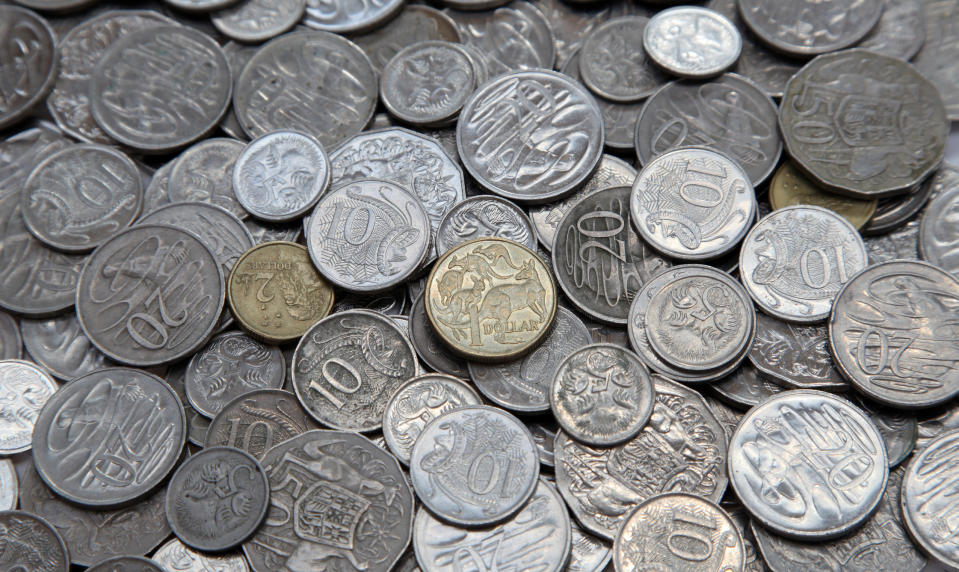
pixel 11 342
pixel 795 261
pixel 174 556
pixel 901 244
pixel 892 212
pixel 938 235
pixel 613 62
pixel 745 387
pixel 415 23
pixel 539 151
pixel 24 390
pixel 28 64
pixel 544 434
pixel 511 38
pixel 587 553
pixel 416 403
pixel 238 55
pixel 899 429
pixel 31 544
pixel 256 421
pixel 728 417
pixel 523 385
pixel 679 531
pixel 927 504
pixel 315 82
pixel 808 465
pixel 144 71
pixel 157 192
pixel 280 176
pixel 795 355
pixel 196 424
pixel 428 346
pixel 815 27
pixel 126 564
pixel 21 152
pixel 427 83
pixel 892 334
pixel 901 30
pixel 481 217
pixel 60 347
pixel 601 395
pixel 150 295
pixel 199 6
pixel 204 173
pixel 537 538
pixel 681 449
pixel 729 114
pixel 258 20
pixel 345 17
pixel 391 303
pixel 693 204
pixel 832 149
pixel 9 485
pixel 474 465
pixel 348 365
pixel 368 236
pixel 937 57
pixel 599 260
pixel 369 526
pixel 754 559
pixel 694 42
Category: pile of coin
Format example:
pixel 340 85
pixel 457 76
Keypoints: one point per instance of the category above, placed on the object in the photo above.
pixel 485 285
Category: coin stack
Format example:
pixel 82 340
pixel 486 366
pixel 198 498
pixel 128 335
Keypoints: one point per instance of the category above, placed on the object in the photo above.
pixel 479 285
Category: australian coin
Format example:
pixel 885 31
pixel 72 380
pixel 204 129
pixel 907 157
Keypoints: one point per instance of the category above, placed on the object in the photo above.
pixel 901 30
pixel 344 16
pixel 613 62
pixel 391 303
pixel 265 232
pixel 795 355
pixel 416 403
pixel 275 292
pixel 28 60
pixel 835 150
pixel 474 465
pixel 258 20
pixel 821 455
pixel 937 57
pixel 204 173
pixel 31 544
pixel 754 560
pixel 199 6
pixel 126 564
pixel 256 421
pixel 939 231
pixel 927 504
pixel 427 83
pixel 601 395
pixel 728 417
pixel 693 204
pixel 816 27
pixel 238 55
pixel 587 553
pixel 11 343
pixel 174 556
pixel 491 299
pixel 899 429
pixel 481 217
pixel 900 244
pixel 535 153
pixel 428 346
pixel 157 191
pixel 745 387
pixel 894 213
pixel 790 187
pixel 415 23
pixel 510 38
pixel 196 424
pixel 892 333
pixel 544 434
pixel 24 390
pixel 689 41
pixel 21 152
pixel 60 347
pixel 9 485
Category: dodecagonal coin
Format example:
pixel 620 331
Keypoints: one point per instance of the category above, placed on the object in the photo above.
pixel 939 232
pixel 109 438
pixel 126 564
pixel 808 465
pixel 927 502
pixel 613 62
pixel 174 555
pixel 256 421
pixel 217 499
pixel 893 335
pixel 795 355
pixel 28 61
pixel 689 41
pixel 31 544
pixel 825 27
pixel 150 295
pixel 24 390
pixel 474 465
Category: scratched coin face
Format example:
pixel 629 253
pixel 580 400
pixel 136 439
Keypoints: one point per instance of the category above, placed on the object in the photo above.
pixel 938 233
pixel 790 187
pixel 28 62
pixel 255 21
pixel 544 148
pixel 484 216
pixel 692 42
pixel 256 421
pixel 808 465
pixel 174 555
pixel 31 543
pixel 892 335
pixel 510 38
pixel 204 173
pixel 814 27
pixel 927 505
pixel 746 387
pixel 24 389
pixel 110 437
pixel 901 31
pixel 428 82
pixel 150 295
pixel 614 64
pixel 795 355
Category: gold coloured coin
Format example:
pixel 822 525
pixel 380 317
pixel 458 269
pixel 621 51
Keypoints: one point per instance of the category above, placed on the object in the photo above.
pixel 491 299
pixel 276 294
pixel 790 187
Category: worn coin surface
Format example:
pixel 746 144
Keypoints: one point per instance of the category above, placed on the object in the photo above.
pixel 481 217
pixel 613 62
pixel 258 20
pixel 60 347
pixel 428 82
pixel 538 151
pixel 434 353
pixel 693 204
pixel 746 387
pixel 901 30
pixel 813 27
pixel 11 343
pixel 9 485
pixel 345 16
pixel 892 333
pixel 204 173
pixel 789 186
pixel 256 421
pixel 795 355
pixel 415 23
pixel 939 232
pixel 126 564
pixel 821 133
pixel 694 42
pixel 510 38
pixel 174 556
pixel 28 60
pixel 937 59
pixel 24 390
pixel 901 244
pixel 808 465
pixel 31 544
pixel 927 505
pixel 894 213
pixel 474 465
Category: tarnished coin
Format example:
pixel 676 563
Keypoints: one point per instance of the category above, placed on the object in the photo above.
pixel 415 23
pixel 937 59
pixel 613 64
pixel 348 365
pixel 821 134
pixel 24 389
pixel 795 355
pixel 345 16
pixel 428 346
pixel 11 343
pixel 174 556
pixel 901 244
pixel 474 465
pixel 693 204
pixel 523 385
pixel 280 176
pixel 808 465
pixel 427 83
pixel 679 531
pixel 9 485
pixel 256 421
pixel 510 38
pixel 901 30
pixel 28 60
pixel 795 261
pixel 893 335
pixel 315 82
pixel 694 42
pixel 491 299
pixel 939 232
pixel 481 217
pixel 258 20
pixel 681 449
pixel 601 395
pixel 345 492
pixel 537 538
pixel 790 187
pixel 144 71
pixel 60 347
pixel 31 544
pixel 217 499
pixel 729 114
pixel 204 173
pixel 599 260
pixel 815 27
pixel 927 502
pixel 275 292
pixel 416 403
pixel 537 152
pixel 746 387
pixel 126 564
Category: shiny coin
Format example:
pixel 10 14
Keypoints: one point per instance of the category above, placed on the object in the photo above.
pixel 178 557
pixel 474 466
pixel 693 204
pixel 937 57
pixel 481 217
pixel 344 16
pixel 728 417
pixel 275 292
pixel 808 465
pixel 745 387
pixel 9 485
pixel 790 187
pixel 795 261
pixel 939 232
pixel 833 150
pixel 491 299
pixel 281 175
pixel 601 395
pixel 220 481
pixel 430 349
pixel 258 20
pixel 694 42
pixel 927 502
pixel 795 355
pixel 415 23
pixel 587 553
pixel 893 336
pixel 678 531
pixel 256 421
pixel 427 83
pixel 11 343
pixel 826 27
pixel 498 149
pixel 613 64
pixel 28 62
pixel 31 544
pixel 126 564
pixel 204 173
pixel 510 38
pixel 60 347
pixel 109 438
pixel 24 389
